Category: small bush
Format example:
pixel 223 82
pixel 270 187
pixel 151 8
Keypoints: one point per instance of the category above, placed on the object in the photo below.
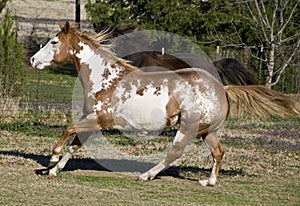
pixel 11 56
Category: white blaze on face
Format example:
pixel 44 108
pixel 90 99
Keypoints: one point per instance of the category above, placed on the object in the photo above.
pixel 97 65
pixel 45 55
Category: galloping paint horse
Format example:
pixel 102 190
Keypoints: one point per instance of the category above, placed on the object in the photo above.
pixel 118 95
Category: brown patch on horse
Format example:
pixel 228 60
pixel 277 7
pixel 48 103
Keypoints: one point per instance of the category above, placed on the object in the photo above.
pixel 141 91
pixel 105 119
pixel 157 91
pixel 173 111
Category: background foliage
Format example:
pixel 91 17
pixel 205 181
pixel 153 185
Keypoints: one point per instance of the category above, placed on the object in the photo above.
pixel 11 57
pixel 221 28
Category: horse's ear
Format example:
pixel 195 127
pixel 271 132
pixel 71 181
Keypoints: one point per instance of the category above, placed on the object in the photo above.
pixel 65 28
pixel 61 25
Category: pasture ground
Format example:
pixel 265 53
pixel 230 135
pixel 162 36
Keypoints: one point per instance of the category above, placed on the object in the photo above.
pixel 261 167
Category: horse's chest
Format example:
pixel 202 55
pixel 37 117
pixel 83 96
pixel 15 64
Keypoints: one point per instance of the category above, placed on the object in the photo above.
pixel 142 109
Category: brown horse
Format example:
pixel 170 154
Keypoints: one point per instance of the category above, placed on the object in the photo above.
pixel 118 95
pixel 230 71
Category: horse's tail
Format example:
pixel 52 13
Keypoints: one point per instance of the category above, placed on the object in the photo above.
pixel 233 72
pixel 263 102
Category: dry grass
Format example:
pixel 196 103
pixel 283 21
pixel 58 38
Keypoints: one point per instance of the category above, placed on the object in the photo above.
pixel 254 172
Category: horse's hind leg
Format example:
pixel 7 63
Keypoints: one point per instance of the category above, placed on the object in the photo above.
pixel 179 143
pixel 217 153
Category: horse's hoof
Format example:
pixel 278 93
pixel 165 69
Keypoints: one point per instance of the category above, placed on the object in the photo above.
pixel 52 174
pixel 206 183
pixel 140 180
pixel 144 178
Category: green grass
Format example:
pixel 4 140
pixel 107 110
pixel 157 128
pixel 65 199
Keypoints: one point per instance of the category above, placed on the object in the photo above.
pixel 54 84
pixel 246 191
pixel 29 129
pixel 275 182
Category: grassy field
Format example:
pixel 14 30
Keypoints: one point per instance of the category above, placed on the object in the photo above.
pixel 261 164
pixel 261 167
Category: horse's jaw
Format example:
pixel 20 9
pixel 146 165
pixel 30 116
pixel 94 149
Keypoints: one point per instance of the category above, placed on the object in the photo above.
pixel 40 65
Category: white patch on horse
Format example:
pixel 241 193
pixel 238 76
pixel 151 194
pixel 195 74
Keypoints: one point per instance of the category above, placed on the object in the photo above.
pixel 146 112
pixel 197 101
pixel 178 138
pixel 72 52
pixel 56 45
pixel 97 65
pixel 122 93
pixel 113 74
pixel 98 107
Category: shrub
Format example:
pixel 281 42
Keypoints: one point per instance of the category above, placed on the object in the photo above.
pixel 11 56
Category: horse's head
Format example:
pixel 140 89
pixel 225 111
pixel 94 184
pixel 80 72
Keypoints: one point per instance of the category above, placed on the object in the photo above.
pixel 58 50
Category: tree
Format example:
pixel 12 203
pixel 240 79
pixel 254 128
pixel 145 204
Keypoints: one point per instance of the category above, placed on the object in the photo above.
pixel 183 17
pixel 273 20
pixel 11 56
pixel 268 30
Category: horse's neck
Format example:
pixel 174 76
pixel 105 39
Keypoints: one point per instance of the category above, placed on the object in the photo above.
pixel 97 71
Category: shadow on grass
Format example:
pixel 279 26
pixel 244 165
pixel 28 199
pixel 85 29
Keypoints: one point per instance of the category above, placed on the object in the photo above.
pixel 115 165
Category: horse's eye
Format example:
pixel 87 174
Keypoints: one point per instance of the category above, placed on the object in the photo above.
pixel 54 42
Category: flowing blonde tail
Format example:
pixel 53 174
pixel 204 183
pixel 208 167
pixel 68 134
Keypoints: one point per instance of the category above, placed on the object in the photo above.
pixel 262 101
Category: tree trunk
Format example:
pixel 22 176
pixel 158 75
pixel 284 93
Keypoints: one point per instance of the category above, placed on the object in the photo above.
pixel 270 66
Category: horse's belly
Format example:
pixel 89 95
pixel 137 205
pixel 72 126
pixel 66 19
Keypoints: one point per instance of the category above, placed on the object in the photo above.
pixel 145 112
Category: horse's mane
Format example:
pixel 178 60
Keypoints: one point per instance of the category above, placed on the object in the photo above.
pixel 98 39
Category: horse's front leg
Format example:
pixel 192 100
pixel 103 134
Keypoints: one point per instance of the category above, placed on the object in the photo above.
pixel 84 128
pixel 75 145
pixel 59 145
pixel 217 153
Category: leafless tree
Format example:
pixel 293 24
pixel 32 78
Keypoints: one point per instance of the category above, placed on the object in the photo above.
pixel 277 24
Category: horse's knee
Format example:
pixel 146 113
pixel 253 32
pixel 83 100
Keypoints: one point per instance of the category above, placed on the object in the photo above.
pixel 69 130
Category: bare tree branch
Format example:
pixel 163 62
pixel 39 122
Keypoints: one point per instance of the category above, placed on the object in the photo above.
pixel 288 19
pixel 282 69
pixel 262 22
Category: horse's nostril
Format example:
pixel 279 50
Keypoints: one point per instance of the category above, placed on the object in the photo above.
pixel 31 60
